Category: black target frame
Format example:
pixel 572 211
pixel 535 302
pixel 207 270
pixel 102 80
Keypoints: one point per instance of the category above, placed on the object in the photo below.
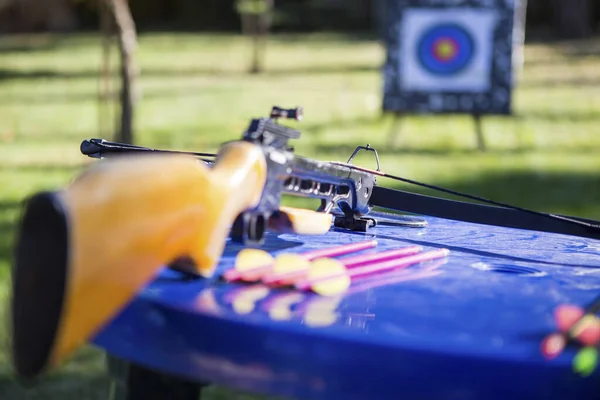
pixel 497 100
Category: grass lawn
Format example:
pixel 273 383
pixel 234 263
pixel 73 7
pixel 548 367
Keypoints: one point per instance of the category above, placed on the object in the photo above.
pixel 196 94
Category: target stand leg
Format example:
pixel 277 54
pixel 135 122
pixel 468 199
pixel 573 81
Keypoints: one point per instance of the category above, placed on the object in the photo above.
pixel 479 132
pixel 394 130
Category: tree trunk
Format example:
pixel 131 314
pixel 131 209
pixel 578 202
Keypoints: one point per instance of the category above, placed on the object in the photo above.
pixel 257 25
pixel 127 43
pixel 257 44
pixel 105 95
pixel 263 29
pixel 573 18
pixel 249 29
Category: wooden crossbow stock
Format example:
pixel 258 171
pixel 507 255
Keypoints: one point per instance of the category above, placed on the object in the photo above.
pixel 83 252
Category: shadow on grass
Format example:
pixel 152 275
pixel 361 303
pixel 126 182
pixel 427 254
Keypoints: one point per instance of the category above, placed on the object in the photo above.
pixel 324 37
pixel 7 235
pixel 548 35
pixel 9 212
pixel 346 123
pixel 577 194
pixel 337 149
pixel 572 81
pixel 153 72
pixel 30 44
pixel 558 115
pixel 45 168
pixel 83 377
pixel 158 93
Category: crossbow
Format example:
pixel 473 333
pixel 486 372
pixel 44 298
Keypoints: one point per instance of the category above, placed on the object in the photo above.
pixel 83 252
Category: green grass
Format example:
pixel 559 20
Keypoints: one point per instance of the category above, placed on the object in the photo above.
pixel 195 94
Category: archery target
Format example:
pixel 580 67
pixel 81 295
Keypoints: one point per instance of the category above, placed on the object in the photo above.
pixel 446 50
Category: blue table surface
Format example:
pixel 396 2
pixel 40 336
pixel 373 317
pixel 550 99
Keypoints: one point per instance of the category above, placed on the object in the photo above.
pixel 466 327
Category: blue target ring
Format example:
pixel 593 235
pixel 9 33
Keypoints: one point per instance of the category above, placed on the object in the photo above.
pixel 445 49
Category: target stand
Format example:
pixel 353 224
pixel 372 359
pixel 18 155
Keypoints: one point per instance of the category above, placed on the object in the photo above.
pixel 450 58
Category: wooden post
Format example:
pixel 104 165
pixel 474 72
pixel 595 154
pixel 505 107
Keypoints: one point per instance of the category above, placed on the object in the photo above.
pixel 104 91
pixel 395 129
pixel 479 132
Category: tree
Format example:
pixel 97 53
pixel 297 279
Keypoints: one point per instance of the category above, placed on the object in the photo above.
pixel 256 22
pixel 104 84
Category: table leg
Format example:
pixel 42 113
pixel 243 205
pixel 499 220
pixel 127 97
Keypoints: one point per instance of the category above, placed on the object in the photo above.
pixel 133 382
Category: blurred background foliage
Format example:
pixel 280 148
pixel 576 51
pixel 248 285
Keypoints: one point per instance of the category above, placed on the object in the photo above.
pixel 572 18
pixel 195 92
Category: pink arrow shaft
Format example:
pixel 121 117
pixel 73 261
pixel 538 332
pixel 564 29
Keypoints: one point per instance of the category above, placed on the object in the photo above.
pixel 402 262
pixel 379 267
pixel 339 250
pixel 349 262
pixel 355 261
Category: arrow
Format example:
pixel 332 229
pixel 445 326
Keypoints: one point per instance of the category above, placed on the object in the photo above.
pixel 328 276
pixel 290 276
pixel 574 323
pixel 252 264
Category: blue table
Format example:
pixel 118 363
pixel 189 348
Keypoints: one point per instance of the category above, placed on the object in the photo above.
pixel 467 327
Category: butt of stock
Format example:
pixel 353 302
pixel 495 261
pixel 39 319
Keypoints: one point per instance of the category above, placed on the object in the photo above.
pixel 82 253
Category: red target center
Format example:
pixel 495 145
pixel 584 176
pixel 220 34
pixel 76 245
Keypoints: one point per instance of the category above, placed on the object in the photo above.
pixel 445 49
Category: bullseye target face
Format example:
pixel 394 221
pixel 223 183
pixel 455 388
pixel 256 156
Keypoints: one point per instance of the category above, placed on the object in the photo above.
pixel 445 49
